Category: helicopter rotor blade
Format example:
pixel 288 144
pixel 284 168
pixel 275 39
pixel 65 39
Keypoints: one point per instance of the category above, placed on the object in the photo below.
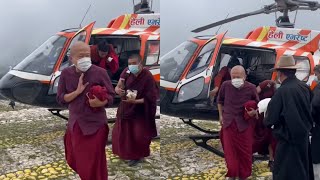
pixel 266 10
pixel 308 8
pixel 313 5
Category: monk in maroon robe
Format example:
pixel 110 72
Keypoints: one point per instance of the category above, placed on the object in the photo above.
pixel 104 56
pixel 135 125
pixel 237 132
pixel 87 130
pixel 223 75
pixel 264 142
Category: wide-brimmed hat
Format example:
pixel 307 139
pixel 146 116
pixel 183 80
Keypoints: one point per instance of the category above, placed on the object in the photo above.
pixel 286 62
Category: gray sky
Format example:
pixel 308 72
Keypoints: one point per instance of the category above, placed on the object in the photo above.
pixel 27 24
pixel 179 17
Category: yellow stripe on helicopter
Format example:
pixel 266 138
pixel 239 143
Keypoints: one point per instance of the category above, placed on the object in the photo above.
pixel 230 41
pixel 263 33
pixel 125 21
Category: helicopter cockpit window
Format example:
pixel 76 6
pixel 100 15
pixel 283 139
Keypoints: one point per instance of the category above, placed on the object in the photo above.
pixel 174 62
pixel 44 58
pixel 304 68
pixel 153 49
pixel 203 59
pixel 79 37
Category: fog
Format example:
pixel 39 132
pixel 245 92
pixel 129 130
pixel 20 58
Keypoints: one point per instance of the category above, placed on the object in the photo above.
pixel 25 25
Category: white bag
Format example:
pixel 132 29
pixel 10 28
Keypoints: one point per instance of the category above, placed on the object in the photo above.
pixel 263 105
pixel 132 94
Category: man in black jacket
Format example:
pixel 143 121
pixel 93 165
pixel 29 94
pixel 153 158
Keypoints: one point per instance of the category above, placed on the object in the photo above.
pixel 315 109
pixel 289 114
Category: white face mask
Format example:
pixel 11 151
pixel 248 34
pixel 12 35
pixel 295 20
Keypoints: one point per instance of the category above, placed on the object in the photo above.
pixel 84 64
pixel 237 82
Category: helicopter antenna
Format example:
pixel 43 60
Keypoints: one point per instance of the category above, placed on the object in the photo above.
pixel 151 4
pixel 295 17
pixel 84 16
pixel 133 5
pixel 221 24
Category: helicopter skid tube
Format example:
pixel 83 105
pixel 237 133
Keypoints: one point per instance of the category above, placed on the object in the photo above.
pixel 202 141
pixel 56 112
pixel 190 123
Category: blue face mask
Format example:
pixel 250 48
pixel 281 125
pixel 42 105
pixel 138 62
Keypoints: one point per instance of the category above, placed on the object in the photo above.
pixel 134 69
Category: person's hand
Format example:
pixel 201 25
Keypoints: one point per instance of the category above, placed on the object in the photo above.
pixel 120 91
pixel 95 102
pixel 133 101
pixel 213 93
pixel 221 120
pixel 81 86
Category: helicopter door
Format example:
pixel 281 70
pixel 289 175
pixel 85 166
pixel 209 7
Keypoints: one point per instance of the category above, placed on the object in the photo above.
pixel 196 79
pixel 83 35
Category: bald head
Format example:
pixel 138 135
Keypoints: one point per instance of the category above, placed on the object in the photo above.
pixel 79 50
pixel 238 72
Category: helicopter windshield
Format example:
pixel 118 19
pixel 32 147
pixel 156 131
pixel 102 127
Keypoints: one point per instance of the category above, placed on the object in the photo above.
pixel 174 62
pixel 43 59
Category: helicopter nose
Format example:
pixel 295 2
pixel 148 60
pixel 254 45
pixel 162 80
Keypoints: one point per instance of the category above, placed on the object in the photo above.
pixel 6 86
pixel 18 89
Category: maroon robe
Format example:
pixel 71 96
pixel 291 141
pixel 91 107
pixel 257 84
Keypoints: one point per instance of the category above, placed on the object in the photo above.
pixel 135 125
pixel 223 75
pixel 263 135
pixel 267 89
pixel 87 131
pixel 85 154
pixel 237 136
pixel 113 66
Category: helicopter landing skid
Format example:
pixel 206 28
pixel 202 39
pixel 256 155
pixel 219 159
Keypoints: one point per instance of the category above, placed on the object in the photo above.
pixel 56 112
pixel 202 141
pixel 190 123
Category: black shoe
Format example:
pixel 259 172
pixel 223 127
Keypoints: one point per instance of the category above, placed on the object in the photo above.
pixel 270 165
pixel 133 162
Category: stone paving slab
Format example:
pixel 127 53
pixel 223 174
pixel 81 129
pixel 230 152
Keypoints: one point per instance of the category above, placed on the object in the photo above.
pixel 31 148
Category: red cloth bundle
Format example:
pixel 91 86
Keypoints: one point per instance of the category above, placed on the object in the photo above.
pixel 98 91
pixel 249 106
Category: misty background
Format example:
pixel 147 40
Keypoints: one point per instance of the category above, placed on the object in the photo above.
pixel 25 25
pixel 179 17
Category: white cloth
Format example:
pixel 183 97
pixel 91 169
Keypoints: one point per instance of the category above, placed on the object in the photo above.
pixel 316 171
pixel 263 105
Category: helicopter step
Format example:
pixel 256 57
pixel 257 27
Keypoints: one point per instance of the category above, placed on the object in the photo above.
pixel 190 123
pixel 202 141
pixel 56 112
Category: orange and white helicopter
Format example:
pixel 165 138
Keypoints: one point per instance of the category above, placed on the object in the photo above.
pixel 188 71
pixel 34 80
